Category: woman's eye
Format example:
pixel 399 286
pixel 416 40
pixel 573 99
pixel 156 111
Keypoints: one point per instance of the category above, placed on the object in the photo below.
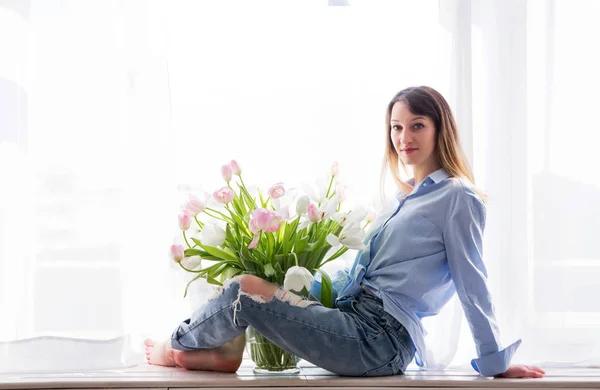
pixel 419 126
pixel 396 127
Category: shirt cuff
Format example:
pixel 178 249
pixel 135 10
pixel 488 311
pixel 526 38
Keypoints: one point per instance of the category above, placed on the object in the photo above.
pixel 497 362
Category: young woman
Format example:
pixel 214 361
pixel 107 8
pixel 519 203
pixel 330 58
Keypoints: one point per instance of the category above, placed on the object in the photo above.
pixel 427 249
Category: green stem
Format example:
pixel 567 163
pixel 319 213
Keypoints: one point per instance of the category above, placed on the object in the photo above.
pixel 185 238
pixel 199 223
pixel 330 184
pixel 189 270
pixel 337 254
pixel 225 218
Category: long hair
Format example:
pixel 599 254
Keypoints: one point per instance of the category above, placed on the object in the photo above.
pixel 449 154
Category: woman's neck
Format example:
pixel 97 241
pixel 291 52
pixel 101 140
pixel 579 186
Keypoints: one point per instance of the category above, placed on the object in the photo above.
pixel 421 172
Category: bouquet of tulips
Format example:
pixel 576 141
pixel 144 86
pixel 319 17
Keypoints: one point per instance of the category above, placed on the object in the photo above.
pixel 284 238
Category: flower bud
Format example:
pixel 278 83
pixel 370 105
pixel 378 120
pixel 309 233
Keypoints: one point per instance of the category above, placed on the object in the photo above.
pixel 335 168
pixel 235 167
pixel 302 204
pixel 177 253
pixel 342 191
pixel 224 195
pixel 194 205
pixel 226 172
pixel 314 214
pixel 185 220
pixel 297 278
pixel 277 191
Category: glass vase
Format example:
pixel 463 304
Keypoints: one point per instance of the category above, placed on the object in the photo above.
pixel 268 357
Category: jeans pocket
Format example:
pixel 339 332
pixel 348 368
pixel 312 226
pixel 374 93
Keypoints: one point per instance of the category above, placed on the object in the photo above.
pixel 393 367
pixel 371 323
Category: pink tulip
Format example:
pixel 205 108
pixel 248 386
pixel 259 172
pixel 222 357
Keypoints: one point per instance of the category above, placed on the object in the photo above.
pixel 254 241
pixel 263 220
pixel 177 253
pixel 277 191
pixel 314 214
pixel 335 168
pixel 226 172
pixel 275 224
pixel 185 220
pixel 194 206
pixel 235 167
pixel 342 191
pixel 253 228
pixel 224 195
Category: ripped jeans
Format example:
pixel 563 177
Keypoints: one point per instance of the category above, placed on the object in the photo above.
pixel 357 338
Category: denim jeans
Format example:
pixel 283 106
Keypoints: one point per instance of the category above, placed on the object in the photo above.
pixel 357 338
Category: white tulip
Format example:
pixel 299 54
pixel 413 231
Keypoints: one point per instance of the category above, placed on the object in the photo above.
pixel 357 215
pixel 212 235
pixel 297 278
pixel 302 205
pixel 316 191
pixel 351 237
pixel 192 262
pixel 329 206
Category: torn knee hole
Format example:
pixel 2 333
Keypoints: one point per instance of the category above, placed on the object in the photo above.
pixel 292 299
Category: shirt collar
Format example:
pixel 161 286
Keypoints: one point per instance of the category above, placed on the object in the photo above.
pixel 433 178
pixel 439 175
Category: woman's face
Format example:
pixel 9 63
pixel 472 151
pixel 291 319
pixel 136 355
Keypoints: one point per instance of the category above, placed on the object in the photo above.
pixel 413 136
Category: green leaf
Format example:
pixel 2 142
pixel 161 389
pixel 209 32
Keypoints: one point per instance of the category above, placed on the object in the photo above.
pixel 269 270
pixel 229 235
pixel 270 243
pixel 224 254
pixel 326 289
pixel 262 201
pixel 229 273
pixel 300 244
pixel 194 252
pixel 215 282
pixel 247 197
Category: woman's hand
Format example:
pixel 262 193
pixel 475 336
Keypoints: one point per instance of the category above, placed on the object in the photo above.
pixel 522 371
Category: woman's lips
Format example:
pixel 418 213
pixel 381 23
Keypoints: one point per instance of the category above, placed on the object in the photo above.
pixel 410 150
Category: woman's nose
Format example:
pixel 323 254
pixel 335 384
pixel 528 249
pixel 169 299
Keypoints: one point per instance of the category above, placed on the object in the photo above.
pixel 405 138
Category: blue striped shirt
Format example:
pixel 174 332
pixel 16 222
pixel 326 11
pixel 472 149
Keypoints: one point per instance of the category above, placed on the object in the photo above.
pixel 427 249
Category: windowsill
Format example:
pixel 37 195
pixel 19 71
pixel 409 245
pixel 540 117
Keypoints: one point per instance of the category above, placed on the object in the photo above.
pixel 155 377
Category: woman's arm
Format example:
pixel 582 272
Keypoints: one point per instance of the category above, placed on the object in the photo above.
pixel 463 235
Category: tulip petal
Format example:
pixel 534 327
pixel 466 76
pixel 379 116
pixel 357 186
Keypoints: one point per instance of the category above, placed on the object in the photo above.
pixel 254 241
pixel 332 240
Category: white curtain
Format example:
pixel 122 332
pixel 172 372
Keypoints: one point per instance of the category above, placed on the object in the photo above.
pixel 533 80
pixel 113 110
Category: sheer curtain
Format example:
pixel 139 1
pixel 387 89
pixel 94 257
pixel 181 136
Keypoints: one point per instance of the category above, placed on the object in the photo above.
pixel 113 110
pixel 533 88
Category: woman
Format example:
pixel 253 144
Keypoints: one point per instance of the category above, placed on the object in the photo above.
pixel 427 249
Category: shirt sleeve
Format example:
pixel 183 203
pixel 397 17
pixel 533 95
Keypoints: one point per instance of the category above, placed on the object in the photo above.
pixel 463 235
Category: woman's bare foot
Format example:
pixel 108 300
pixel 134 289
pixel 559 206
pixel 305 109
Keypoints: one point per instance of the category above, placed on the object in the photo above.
pixel 226 358
pixel 159 353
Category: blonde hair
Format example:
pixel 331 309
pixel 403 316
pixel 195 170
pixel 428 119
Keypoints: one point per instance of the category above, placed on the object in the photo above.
pixel 450 156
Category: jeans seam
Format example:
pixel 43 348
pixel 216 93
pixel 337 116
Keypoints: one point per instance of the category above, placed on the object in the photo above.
pixel 198 323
